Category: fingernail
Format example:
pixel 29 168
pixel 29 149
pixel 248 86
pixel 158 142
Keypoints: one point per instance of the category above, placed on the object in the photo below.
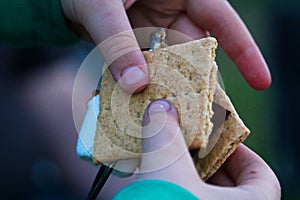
pixel 132 75
pixel 159 106
pixel 153 107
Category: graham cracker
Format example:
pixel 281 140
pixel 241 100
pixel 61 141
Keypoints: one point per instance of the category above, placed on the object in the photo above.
pixel 184 74
pixel 233 132
pixel 119 123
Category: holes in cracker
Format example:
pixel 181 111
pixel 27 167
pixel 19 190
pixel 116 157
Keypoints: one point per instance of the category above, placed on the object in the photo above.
pixel 138 103
pixel 168 83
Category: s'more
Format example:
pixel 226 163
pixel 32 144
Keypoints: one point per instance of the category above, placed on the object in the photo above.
pixel 186 75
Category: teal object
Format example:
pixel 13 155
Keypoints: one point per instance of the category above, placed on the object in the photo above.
pixel 34 23
pixel 154 189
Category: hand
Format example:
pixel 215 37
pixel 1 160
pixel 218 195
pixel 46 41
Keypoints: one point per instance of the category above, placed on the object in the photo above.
pixel 243 176
pixel 196 18
pixel 165 156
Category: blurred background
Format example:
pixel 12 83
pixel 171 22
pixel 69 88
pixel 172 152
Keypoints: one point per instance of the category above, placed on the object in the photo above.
pixel 38 138
pixel 271 115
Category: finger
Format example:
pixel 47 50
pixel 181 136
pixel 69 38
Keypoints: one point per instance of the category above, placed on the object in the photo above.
pixel 184 25
pixel 160 128
pixel 128 3
pixel 221 178
pixel 165 155
pixel 250 172
pixel 140 16
pixel 225 24
pixel 108 25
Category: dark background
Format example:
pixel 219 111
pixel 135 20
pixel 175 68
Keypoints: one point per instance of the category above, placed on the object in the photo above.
pixel 38 138
pixel 272 115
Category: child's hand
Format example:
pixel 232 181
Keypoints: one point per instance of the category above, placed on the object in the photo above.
pixel 165 156
pixel 196 18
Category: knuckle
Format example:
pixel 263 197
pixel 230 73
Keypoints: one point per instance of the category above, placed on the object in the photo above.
pixel 118 45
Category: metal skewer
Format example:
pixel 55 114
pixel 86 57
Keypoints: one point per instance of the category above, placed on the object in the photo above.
pixel 100 180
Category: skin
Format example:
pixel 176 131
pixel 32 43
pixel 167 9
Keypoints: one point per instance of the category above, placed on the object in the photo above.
pixel 101 19
pixel 244 175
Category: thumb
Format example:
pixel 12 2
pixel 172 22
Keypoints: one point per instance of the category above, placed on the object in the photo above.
pixel 107 23
pixel 165 154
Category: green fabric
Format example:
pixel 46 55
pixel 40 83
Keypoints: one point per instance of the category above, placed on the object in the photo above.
pixel 34 22
pixel 154 189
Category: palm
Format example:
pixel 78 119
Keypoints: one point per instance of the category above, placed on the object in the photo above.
pixel 222 178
